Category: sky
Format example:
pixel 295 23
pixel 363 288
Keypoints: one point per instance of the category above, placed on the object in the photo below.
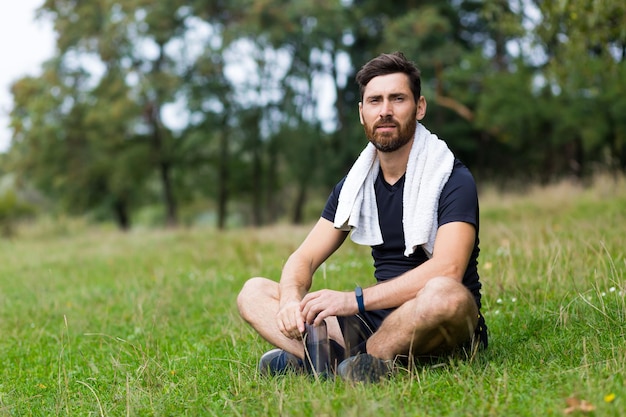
pixel 25 43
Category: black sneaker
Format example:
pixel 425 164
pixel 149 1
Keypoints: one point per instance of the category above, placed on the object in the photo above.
pixel 364 368
pixel 278 362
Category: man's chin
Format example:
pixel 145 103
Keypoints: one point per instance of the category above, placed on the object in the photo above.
pixel 388 145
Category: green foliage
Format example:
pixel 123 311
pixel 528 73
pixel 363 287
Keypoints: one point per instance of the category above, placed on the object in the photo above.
pixel 12 209
pixel 78 146
pixel 523 90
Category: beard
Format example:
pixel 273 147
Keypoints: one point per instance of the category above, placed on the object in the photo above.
pixel 390 141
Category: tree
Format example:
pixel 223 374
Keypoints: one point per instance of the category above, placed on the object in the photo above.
pixel 130 42
pixel 77 144
pixel 268 104
pixel 288 48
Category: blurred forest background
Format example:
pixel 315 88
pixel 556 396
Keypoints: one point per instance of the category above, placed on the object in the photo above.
pixel 243 112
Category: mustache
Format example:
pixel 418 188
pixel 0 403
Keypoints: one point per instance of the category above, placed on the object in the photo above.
pixel 386 121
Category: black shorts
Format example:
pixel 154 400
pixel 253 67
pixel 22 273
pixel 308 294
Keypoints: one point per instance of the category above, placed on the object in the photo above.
pixel 357 329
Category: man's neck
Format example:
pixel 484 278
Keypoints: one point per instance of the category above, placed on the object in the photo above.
pixel 393 164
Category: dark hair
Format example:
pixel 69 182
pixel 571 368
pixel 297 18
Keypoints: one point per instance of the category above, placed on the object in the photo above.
pixel 385 64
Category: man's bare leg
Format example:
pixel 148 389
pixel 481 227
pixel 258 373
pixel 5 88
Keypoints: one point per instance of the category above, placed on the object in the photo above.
pixel 441 317
pixel 258 305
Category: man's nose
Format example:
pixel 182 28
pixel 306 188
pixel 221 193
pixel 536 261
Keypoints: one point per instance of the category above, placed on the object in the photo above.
pixel 386 109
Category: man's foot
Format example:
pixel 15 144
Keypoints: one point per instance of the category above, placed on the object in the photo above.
pixel 278 361
pixel 364 368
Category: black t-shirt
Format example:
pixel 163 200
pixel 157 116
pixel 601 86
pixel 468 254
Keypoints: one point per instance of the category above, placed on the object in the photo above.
pixel 458 202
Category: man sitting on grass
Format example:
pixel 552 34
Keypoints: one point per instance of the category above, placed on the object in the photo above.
pixel 408 198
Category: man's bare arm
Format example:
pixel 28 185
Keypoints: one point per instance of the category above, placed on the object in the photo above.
pixel 296 277
pixel 453 247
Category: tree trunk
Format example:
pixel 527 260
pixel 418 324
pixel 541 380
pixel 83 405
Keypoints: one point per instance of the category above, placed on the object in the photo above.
pixel 252 121
pixel 298 210
pixel 257 189
pixel 448 102
pixel 168 194
pixel 222 194
pixel 122 218
pixel 272 186
pixel 164 164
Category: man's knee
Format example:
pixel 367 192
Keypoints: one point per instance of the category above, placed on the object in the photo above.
pixel 448 299
pixel 254 291
pixel 250 294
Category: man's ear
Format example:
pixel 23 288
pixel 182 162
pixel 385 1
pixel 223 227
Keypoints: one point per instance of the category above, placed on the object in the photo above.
pixel 361 112
pixel 421 108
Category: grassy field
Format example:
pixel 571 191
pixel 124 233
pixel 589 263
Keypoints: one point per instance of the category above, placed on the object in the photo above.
pixel 94 322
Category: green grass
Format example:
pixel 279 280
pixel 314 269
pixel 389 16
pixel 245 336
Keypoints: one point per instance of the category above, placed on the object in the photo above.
pixel 95 322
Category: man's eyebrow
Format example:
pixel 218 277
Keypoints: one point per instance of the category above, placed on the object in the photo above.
pixel 391 96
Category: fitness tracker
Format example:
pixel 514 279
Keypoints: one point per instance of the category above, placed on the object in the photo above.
pixel 358 291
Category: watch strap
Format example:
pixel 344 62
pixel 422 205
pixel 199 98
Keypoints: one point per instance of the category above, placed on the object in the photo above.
pixel 358 291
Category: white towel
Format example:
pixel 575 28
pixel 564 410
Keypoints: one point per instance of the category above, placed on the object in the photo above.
pixel 428 169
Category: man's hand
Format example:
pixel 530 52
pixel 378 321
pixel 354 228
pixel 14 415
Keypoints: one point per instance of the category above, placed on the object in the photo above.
pixel 290 321
pixel 318 305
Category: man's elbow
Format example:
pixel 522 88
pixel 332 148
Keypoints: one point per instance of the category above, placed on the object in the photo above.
pixel 454 271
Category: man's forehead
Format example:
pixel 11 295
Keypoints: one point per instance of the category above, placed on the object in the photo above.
pixel 396 83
